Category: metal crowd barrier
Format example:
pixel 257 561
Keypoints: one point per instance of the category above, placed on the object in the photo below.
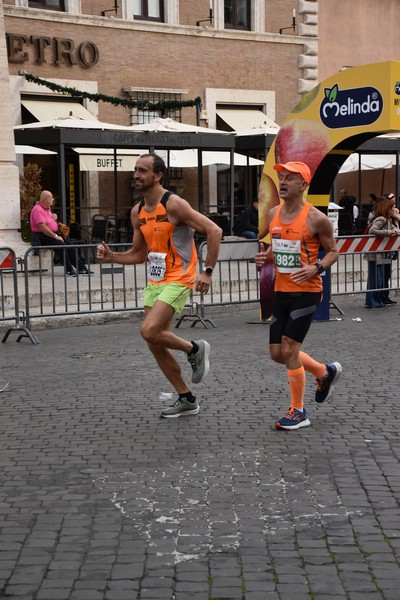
pixel 235 280
pixel 349 275
pixel 51 292
pixel 41 289
pixel 48 292
pixel 10 310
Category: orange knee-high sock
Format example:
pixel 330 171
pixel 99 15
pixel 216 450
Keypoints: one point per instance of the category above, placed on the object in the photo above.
pixel 311 366
pixel 297 383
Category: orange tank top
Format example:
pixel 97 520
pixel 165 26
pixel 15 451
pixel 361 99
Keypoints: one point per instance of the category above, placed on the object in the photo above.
pixel 292 242
pixel 172 256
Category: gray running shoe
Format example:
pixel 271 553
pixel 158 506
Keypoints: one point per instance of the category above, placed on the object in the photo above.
pixel 199 362
pixel 181 407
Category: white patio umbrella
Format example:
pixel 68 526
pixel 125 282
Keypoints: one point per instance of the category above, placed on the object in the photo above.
pixel 334 206
pixel 170 125
pixel 239 160
pixel 270 129
pixel 71 122
pixel 21 149
pixel 369 162
pixel 189 158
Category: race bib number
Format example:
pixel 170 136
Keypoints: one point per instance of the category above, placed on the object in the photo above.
pixel 157 266
pixel 286 255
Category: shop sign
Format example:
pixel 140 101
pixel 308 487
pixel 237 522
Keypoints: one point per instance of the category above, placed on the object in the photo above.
pixel 56 51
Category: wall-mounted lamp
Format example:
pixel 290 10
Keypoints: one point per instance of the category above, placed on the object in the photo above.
pixel 210 18
pixel 293 25
pixel 115 9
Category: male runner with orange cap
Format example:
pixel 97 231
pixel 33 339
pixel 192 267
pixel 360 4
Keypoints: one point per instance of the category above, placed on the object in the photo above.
pixel 297 230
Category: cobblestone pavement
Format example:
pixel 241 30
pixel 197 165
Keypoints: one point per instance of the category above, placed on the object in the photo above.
pixel 100 499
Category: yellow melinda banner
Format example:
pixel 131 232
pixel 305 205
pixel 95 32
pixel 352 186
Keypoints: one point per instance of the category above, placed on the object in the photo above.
pixel 328 124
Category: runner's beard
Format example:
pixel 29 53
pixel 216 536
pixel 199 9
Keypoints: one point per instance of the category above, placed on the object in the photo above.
pixel 140 186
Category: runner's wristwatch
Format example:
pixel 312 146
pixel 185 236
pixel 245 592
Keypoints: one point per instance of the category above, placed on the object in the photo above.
pixel 208 270
pixel 320 268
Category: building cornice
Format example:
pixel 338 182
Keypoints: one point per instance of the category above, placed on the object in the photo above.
pixel 149 27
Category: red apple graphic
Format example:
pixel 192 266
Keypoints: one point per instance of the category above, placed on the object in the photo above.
pixel 268 197
pixel 303 140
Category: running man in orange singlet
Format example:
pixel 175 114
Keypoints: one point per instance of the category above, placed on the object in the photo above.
pixel 297 230
pixel 163 227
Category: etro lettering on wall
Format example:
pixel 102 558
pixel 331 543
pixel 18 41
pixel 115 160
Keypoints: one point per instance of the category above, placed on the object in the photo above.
pixel 56 51
pixel 350 108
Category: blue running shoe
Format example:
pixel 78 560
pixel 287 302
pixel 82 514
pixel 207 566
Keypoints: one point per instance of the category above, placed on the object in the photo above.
pixel 294 419
pixel 325 385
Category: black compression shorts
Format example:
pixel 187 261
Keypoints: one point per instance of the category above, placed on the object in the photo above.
pixel 292 315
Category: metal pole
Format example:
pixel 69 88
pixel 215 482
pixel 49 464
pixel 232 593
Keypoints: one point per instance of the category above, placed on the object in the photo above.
pixel 359 183
pixel 232 181
pixel 116 196
pixel 200 176
pixel 62 184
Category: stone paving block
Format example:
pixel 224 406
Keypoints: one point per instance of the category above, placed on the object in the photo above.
pixel 226 593
pixel 87 594
pixel 22 597
pixel 157 582
pixel 155 593
pixel 193 596
pixel 123 584
pixel 254 586
pixel 64 574
pixel 191 576
pixel 358 583
pixel 127 571
pixel 57 583
pixel 20 590
pixel 391 594
pixel 54 594
pixel 261 595
pixel 28 574
pixel 366 596
pixel 91 584
pixel 189 587
pixel 119 595
pixel 67 565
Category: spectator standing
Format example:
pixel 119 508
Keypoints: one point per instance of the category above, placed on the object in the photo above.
pixel 380 263
pixel 374 200
pixel 346 215
pixel 387 267
pixel 356 213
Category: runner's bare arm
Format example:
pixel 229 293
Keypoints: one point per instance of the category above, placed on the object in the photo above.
pixel 135 255
pixel 265 254
pixel 318 224
pixel 323 228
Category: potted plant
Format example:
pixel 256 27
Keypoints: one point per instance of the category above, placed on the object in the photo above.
pixel 30 189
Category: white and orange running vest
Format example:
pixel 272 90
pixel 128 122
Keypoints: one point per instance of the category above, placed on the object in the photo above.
pixel 172 251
